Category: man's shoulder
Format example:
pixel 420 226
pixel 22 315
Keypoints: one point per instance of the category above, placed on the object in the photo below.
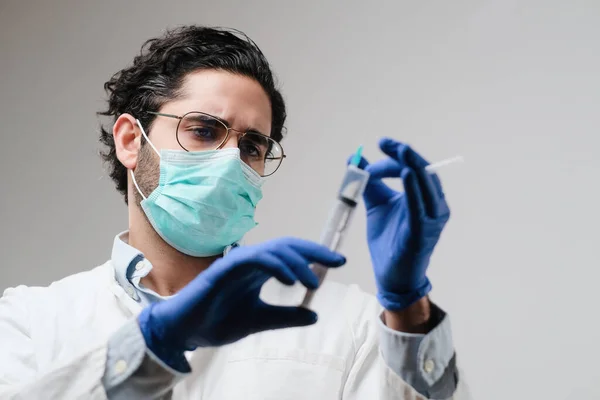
pixel 76 286
pixel 102 274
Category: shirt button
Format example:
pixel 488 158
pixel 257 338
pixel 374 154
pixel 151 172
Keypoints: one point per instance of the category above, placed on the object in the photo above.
pixel 139 265
pixel 429 366
pixel 120 366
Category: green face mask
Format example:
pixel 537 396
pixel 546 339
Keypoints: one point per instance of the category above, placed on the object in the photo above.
pixel 204 201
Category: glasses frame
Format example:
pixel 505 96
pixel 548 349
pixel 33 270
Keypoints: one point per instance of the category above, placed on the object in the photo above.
pixel 240 134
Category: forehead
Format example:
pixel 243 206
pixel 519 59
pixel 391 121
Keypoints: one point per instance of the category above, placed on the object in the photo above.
pixel 237 99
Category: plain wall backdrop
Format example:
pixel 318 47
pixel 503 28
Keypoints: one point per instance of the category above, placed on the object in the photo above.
pixel 513 86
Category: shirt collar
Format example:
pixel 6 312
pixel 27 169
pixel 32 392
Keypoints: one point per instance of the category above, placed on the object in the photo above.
pixel 125 258
pixel 131 266
pixel 123 254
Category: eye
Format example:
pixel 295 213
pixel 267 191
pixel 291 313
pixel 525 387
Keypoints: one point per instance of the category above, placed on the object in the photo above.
pixel 270 156
pixel 250 149
pixel 203 132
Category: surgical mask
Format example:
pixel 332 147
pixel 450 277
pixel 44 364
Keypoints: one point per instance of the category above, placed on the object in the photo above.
pixel 204 201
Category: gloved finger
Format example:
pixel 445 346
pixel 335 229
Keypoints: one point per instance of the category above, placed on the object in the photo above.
pixel 433 195
pixel 276 268
pixel 314 252
pixel 402 153
pixel 388 168
pixel 429 192
pixel 443 208
pixel 431 188
pixel 412 189
pixel 269 317
pixel 437 184
pixel 299 265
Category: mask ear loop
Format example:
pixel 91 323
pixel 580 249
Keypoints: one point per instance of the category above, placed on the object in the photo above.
pixel 136 185
pixel 153 148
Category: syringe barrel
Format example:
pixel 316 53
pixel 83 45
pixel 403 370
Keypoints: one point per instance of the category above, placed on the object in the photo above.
pixel 338 220
pixel 332 235
pixel 350 192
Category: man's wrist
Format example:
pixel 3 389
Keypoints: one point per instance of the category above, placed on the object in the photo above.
pixel 415 318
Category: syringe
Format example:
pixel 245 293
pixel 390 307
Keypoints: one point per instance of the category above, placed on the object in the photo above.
pixel 353 186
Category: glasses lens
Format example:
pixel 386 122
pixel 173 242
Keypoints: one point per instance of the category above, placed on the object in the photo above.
pixel 199 132
pixel 261 153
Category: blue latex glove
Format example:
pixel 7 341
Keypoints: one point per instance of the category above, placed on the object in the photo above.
pixel 221 305
pixel 402 228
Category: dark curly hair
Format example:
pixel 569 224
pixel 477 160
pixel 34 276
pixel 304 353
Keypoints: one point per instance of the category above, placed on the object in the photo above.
pixel 159 70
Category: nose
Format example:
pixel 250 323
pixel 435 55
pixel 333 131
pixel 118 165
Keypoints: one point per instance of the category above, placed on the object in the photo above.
pixel 232 141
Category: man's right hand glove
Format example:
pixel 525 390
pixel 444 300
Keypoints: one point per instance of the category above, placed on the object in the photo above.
pixel 403 228
pixel 222 305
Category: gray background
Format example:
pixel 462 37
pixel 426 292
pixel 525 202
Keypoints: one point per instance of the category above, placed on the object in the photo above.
pixel 513 86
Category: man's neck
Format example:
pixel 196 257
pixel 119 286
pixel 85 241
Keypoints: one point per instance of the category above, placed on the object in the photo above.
pixel 171 269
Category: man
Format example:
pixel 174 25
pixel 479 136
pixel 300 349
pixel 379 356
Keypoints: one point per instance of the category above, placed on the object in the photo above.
pixel 180 309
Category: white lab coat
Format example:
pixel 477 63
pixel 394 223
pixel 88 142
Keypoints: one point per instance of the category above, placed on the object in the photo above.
pixel 53 345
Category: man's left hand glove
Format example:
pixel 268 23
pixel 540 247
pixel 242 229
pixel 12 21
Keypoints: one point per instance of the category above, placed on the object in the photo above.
pixel 402 228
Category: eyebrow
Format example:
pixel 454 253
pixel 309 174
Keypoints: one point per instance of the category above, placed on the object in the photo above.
pixel 204 116
pixel 256 131
pixel 227 123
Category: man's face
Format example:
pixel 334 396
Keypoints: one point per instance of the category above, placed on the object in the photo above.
pixel 239 100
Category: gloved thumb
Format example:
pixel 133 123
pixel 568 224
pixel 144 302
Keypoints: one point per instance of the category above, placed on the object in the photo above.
pixel 277 317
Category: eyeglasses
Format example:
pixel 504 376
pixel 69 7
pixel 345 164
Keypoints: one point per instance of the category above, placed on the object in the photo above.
pixel 197 131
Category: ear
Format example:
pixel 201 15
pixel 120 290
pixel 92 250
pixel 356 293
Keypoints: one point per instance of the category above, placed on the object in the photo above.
pixel 127 136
